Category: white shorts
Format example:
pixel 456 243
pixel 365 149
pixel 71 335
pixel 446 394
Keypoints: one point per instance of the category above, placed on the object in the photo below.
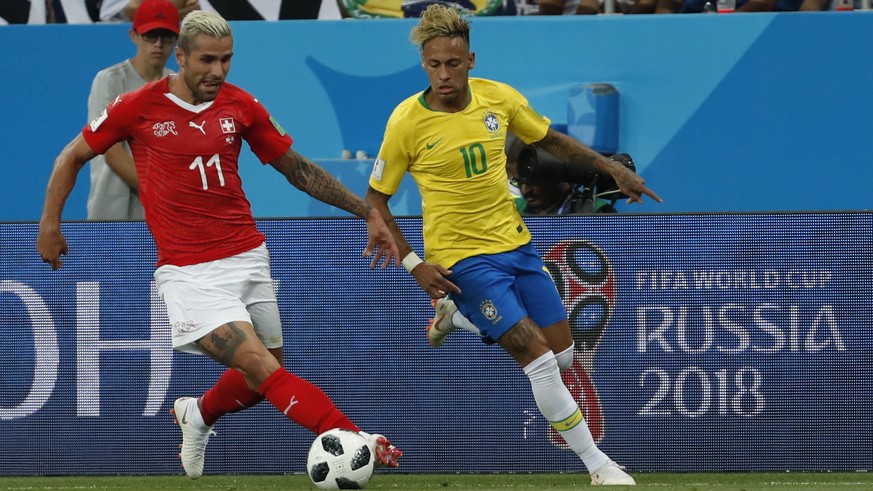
pixel 202 297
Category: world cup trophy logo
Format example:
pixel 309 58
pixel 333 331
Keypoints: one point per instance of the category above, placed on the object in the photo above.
pixel 586 282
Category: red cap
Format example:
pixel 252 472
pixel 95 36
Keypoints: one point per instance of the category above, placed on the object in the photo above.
pixel 156 14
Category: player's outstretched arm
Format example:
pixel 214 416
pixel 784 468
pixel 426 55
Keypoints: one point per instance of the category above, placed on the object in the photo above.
pixel 50 242
pixel 430 277
pixel 574 152
pixel 380 241
pixel 313 180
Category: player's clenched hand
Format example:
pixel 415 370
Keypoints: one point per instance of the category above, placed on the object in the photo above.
pixel 51 244
pixel 432 279
pixel 380 242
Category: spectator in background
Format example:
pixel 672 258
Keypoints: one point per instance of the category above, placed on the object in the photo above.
pixel 114 191
pixel 88 11
pixel 568 7
pixel 655 7
pixel 814 5
pixel 127 8
pixel 697 6
pixel 818 5
pixel 414 8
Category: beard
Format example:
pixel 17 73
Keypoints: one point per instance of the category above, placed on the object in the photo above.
pixel 203 93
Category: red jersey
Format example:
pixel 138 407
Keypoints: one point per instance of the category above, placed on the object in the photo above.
pixel 187 163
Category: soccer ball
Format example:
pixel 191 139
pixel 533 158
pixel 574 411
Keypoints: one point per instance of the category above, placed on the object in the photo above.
pixel 340 459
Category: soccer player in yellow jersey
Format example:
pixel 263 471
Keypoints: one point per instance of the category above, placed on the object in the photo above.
pixel 451 139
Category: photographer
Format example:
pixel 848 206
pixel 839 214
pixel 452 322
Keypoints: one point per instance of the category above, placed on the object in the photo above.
pixel 551 187
pixel 549 197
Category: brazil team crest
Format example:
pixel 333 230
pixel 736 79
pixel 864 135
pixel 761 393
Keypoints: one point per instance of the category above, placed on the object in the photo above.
pixel 491 122
pixel 489 311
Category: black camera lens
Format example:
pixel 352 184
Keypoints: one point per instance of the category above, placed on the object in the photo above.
pixel 537 165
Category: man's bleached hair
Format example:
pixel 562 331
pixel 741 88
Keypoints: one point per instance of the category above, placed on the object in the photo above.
pixel 438 21
pixel 199 22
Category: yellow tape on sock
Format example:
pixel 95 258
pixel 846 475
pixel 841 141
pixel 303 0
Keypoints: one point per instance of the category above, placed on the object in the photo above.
pixel 569 423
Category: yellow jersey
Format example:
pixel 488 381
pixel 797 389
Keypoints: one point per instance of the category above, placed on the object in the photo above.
pixel 458 162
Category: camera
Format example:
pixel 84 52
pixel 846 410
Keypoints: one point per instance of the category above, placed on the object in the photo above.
pixel 537 165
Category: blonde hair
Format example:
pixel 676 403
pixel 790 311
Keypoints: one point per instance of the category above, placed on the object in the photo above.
pixel 199 22
pixel 438 21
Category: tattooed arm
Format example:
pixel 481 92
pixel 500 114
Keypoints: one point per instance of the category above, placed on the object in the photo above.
pixel 575 153
pixel 313 180
pixel 569 150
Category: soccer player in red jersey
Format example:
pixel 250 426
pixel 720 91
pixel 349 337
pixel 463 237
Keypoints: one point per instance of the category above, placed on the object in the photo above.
pixel 213 271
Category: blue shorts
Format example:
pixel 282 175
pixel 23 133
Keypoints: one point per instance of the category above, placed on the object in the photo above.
pixel 498 290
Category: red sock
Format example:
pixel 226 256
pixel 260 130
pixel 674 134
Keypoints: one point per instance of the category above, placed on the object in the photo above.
pixel 304 403
pixel 230 394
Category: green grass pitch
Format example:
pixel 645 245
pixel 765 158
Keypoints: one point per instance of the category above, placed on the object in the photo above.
pixel 751 481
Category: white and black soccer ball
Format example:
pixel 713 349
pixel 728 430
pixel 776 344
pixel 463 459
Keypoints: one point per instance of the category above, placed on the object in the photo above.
pixel 340 459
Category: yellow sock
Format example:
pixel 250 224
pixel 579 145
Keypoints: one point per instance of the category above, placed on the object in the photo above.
pixel 569 422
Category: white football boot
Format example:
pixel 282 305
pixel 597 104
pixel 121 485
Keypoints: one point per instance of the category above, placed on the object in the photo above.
pixel 441 325
pixel 194 436
pixel 612 474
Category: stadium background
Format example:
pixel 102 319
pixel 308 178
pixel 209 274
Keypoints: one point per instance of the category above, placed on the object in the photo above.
pixel 756 112
pixel 766 368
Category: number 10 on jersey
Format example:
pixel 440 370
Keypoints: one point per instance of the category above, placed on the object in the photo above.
pixel 470 164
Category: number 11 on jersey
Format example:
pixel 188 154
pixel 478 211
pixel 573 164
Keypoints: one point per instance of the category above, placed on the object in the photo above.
pixel 213 161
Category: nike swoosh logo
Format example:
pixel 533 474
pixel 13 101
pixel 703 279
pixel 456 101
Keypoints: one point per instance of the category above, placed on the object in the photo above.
pixel 185 416
pixel 431 145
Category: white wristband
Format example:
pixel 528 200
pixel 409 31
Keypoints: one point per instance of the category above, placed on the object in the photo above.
pixel 411 261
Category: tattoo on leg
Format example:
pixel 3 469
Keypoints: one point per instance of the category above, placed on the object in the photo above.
pixel 520 335
pixel 224 344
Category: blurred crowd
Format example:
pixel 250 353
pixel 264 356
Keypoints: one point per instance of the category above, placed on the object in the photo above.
pixel 91 11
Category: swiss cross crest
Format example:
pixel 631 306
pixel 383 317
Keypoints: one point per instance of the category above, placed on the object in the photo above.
pixel 227 125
